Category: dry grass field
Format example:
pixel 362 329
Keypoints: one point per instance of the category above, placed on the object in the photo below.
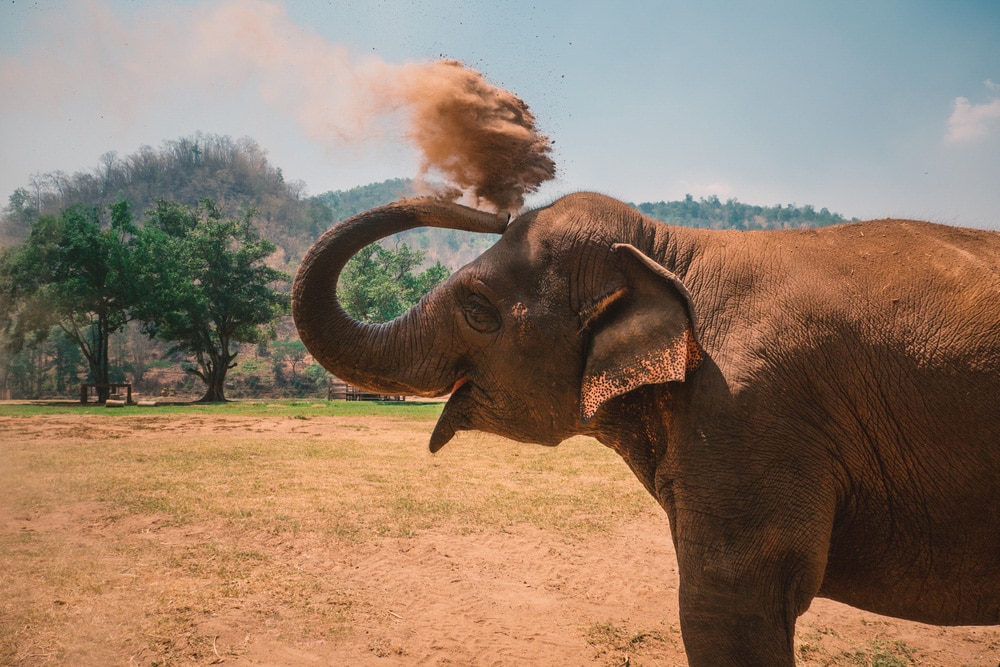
pixel 325 534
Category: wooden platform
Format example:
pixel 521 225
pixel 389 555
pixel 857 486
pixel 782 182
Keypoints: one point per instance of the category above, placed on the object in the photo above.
pixel 114 391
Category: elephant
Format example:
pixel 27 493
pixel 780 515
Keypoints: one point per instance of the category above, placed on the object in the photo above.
pixel 817 411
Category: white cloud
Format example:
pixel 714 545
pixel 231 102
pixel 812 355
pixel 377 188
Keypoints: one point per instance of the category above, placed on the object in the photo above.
pixel 970 122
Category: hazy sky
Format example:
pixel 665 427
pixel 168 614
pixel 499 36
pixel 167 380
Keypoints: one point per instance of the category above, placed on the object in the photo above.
pixel 871 108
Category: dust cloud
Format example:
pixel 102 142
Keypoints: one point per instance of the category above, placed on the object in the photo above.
pixel 480 140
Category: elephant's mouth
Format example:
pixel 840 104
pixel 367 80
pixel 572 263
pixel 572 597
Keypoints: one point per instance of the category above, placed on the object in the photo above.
pixel 437 393
pixel 471 408
pixel 454 416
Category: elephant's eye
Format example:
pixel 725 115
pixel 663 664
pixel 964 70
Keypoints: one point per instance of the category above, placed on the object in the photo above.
pixel 481 315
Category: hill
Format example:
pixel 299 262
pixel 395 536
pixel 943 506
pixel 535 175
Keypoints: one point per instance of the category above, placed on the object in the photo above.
pixel 451 247
pixel 714 214
pixel 237 174
pixel 455 249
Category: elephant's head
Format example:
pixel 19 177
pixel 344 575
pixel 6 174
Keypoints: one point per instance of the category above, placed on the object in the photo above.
pixel 532 339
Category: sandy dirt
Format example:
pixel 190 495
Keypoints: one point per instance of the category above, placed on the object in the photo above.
pixel 84 583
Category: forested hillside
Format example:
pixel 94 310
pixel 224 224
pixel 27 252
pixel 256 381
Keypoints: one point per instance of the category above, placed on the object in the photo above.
pixel 238 178
pixel 452 248
pixel 234 173
pixel 731 214
pixel 237 175
pixel 345 203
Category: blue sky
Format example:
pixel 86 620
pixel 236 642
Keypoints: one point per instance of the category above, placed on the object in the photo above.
pixel 869 108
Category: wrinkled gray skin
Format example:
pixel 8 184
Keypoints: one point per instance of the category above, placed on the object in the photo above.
pixel 817 411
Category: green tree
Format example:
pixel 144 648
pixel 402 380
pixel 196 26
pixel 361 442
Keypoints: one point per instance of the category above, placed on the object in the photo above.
pixel 74 273
pixel 208 288
pixel 292 352
pixel 378 284
pixel 305 378
pixel 21 210
pixel 67 361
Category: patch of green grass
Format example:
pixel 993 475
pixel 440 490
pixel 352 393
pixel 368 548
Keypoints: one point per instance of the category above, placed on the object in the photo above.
pixel 294 408
pixel 882 654
pixel 617 645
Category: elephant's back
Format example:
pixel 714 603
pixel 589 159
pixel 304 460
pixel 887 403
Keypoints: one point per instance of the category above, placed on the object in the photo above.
pixel 925 292
pixel 931 286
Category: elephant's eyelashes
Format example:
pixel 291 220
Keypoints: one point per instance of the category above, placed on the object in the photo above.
pixel 480 314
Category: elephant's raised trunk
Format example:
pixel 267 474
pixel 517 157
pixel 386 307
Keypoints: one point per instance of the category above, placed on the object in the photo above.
pixel 374 356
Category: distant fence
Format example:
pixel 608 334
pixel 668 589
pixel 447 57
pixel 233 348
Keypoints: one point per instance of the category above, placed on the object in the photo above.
pixel 338 390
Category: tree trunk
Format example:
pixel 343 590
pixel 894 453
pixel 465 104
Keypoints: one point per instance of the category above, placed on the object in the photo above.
pixel 99 369
pixel 216 391
pixel 214 371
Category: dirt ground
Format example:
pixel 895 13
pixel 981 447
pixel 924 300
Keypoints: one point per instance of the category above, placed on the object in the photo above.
pixel 108 558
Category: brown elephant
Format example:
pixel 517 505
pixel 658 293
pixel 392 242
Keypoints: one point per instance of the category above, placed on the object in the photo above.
pixel 818 411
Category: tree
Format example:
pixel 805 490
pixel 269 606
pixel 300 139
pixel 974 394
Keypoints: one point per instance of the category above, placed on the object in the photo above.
pixel 304 378
pixel 378 284
pixel 20 211
pixel 293 352
pixel 74 273
pixel 208 288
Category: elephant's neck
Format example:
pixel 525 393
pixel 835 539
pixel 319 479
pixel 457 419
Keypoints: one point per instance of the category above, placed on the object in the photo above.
pixel 636 427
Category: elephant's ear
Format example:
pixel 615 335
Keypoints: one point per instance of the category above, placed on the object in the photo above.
pixel 642 332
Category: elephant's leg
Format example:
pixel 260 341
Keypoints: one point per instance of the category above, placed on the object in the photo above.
pixel 738 605
pixel 720 630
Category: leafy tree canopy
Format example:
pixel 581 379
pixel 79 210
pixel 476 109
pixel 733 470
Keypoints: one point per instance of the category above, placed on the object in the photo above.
pixel 207 286
pixel 74 272
pixel 378 283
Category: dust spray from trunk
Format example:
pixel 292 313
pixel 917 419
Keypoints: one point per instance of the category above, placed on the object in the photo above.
pixel 479 137
pixel 480 140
